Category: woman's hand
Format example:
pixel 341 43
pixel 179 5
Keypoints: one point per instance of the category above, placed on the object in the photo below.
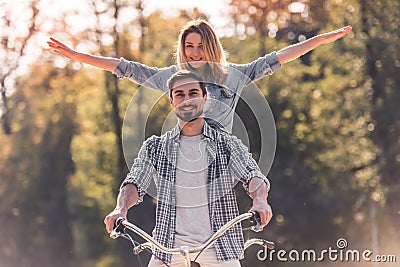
pixel 332 36
pixel 105 63
pixel 62 49
pixel 297 50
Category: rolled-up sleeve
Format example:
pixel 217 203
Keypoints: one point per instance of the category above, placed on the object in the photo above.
pixel 242 164
pixel 142 74
pixel 142 172
pixel 134 71
pixel 260 67
pixel 273 62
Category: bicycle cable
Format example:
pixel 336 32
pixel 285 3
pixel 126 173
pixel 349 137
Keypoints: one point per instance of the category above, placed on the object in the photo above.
pixel 135 243
pixel 255 220
pixel 198 254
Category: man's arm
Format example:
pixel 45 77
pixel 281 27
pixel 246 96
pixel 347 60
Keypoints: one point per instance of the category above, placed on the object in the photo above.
pixel 134 186
pixel 128 197
pixel 258 191
pixel 105 63
pixel 245 168
pixel 295 51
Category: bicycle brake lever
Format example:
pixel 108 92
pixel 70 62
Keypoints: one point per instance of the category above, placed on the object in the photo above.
pixel 269 244
pixel 137 250
pixel 118 228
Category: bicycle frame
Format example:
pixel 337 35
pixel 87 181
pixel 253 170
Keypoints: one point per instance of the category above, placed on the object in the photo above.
pixel 186 250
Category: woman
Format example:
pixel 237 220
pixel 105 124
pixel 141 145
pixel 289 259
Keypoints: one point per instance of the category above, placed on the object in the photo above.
pixel 199 49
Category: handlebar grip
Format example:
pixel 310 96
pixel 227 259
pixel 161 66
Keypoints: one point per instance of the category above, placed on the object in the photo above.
pixel 256 221
pixel 118 221
pixel 118 228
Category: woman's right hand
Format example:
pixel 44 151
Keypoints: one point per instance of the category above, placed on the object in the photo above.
pixel 105 63
pixel 62 49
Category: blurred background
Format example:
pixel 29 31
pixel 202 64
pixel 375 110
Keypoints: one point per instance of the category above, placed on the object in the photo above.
pixel 336 172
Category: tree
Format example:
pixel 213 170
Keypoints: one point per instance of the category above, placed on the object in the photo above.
pixel 324 169
pixel 380 34
pixel 37 171
pixel 13 48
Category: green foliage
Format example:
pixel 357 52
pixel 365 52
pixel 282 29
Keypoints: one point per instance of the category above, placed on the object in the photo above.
pixel 381 38
pixel 336 118
pixel 39 159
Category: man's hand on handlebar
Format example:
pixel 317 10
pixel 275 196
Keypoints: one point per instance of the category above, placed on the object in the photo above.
pixel 263 209
pixel 258 190
pixel 109 221
pixel 127 197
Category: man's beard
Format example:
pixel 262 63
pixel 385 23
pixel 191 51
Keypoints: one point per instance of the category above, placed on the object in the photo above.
pixel 189 116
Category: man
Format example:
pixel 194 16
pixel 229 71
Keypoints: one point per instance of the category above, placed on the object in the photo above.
pixel 193 166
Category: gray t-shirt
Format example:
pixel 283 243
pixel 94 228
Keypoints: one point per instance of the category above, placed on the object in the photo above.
pixel 192 213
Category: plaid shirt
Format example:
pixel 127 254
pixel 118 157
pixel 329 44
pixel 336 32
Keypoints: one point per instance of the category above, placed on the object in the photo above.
pixel 227 158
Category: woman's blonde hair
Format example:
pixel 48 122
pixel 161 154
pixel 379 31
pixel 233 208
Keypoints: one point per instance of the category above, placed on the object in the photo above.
pixel 212 47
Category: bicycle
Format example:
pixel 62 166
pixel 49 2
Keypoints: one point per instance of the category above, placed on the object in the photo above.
pixel 121 225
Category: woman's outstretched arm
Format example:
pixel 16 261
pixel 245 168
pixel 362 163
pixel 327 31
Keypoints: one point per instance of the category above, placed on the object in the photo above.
pixel 295 51
pixel 105 63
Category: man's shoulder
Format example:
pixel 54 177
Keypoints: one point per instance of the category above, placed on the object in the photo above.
pixel 228 140
pixel 218 134
pixel 159 139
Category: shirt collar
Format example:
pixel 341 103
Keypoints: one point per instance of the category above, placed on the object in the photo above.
pixel 207 132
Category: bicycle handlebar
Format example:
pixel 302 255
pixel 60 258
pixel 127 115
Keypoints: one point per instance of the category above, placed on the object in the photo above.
pixel 121 223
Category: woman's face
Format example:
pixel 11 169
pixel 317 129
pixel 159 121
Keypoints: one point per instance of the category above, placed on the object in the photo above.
pixel 194 52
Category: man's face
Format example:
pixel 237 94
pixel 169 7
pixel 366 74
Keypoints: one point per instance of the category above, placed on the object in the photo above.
pixel 187 99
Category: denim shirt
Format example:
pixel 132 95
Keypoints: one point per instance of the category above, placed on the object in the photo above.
pixel 221 101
